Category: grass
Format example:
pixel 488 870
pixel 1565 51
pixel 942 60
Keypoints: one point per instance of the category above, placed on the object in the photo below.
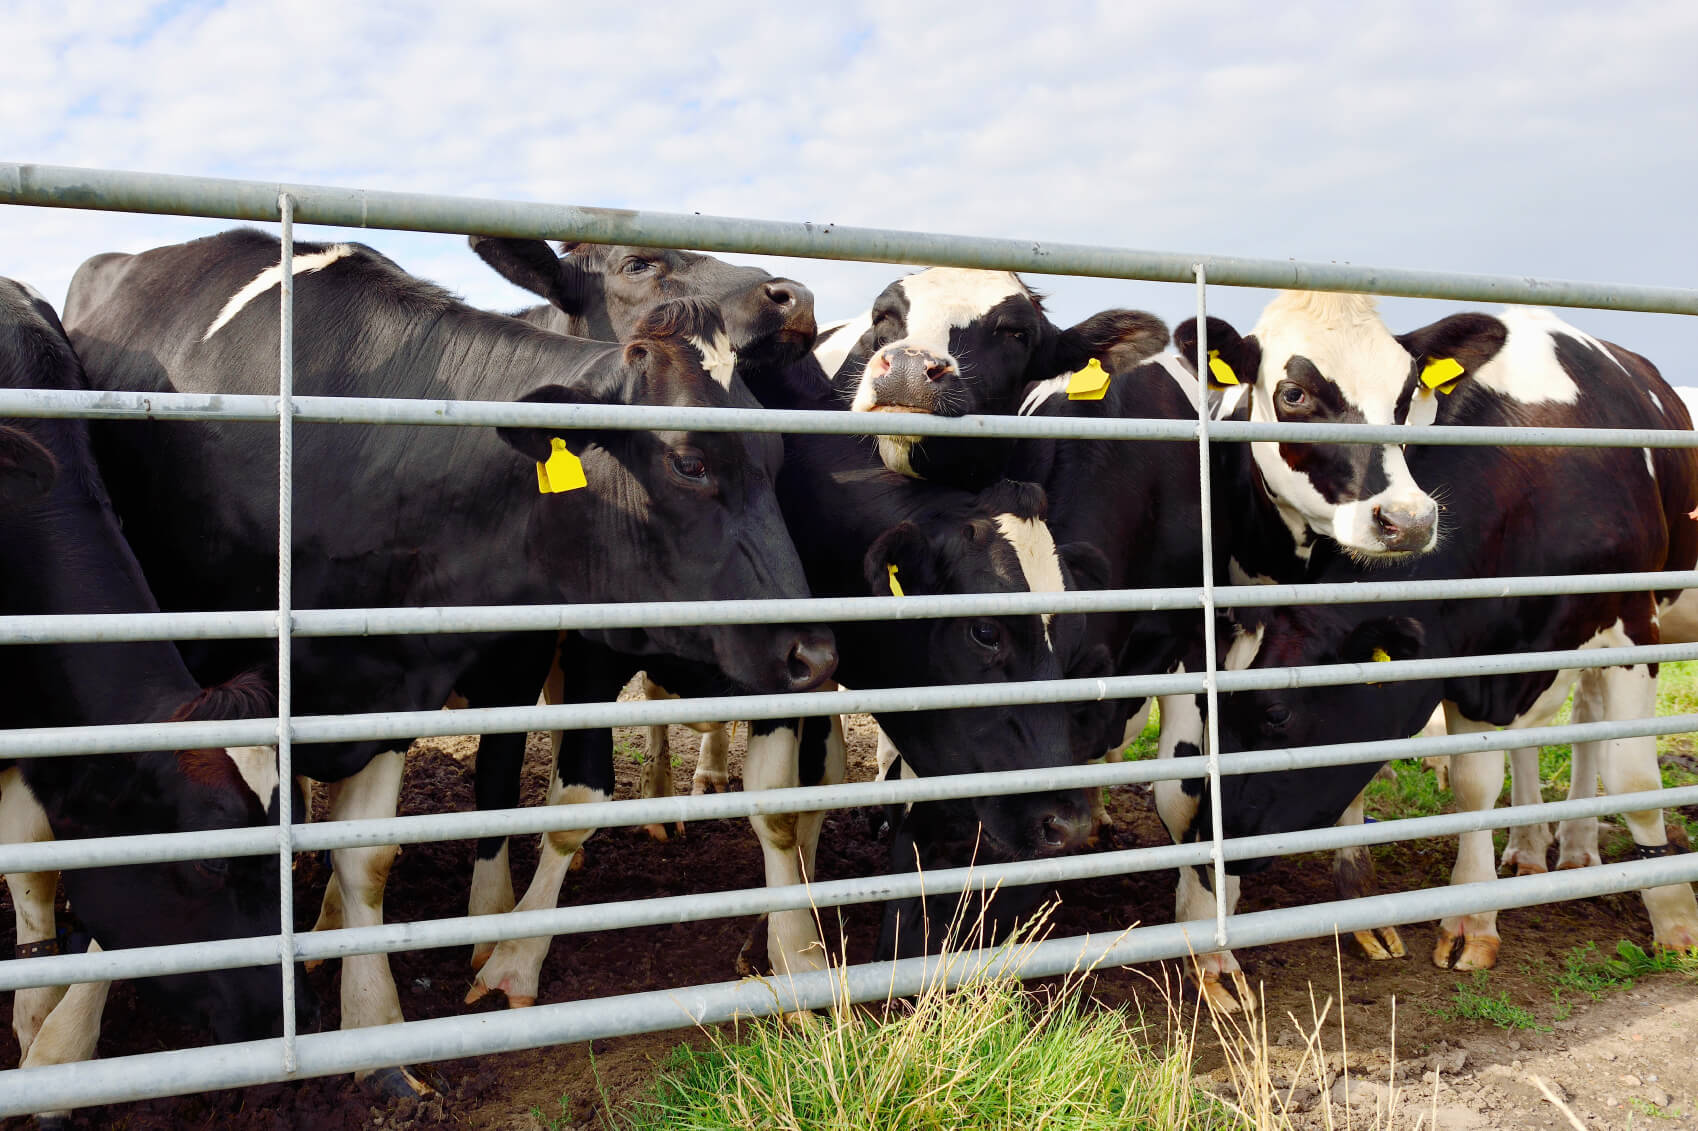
pixel 1583 973
pixel 1474 1001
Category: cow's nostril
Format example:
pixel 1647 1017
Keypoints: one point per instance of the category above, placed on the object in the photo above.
pixel 1385 524
pixel 781 297
pixel 938 370
pixel 811 662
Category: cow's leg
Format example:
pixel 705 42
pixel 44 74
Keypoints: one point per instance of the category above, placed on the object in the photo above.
pixel 368 986
pixel 1528 845
pixel 583 771
pixel 1477 780
pixel 1629 765
pixel 1353 877
pixel 22 821
pixel 656 778
pixel 1178 803
pixel 713 761
pixel 68 1034
pixel 773 762
pixel 1577 839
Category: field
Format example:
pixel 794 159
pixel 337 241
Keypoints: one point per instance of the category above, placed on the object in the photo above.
pixel 1610 1031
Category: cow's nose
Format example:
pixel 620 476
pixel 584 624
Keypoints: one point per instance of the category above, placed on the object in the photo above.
pixel 1403 526
pixel 1064 831
pixel 812 660
pixel 913 360
pixel 781 293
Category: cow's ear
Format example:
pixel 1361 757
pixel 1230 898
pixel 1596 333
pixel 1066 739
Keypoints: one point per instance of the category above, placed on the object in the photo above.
pixel 1087 566
pixel 1453 348
pixel 1383 638
pixel 27 470
pixel 900 563
pixel 1119 339
pixel 538 443
pixel 1232 360
pixel 1015 497
pixel 532 265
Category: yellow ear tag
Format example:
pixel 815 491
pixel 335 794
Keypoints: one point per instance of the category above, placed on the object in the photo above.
pixel 1380 656
pixel 1441 373
pixel 1220 370
pixel 563 471
pixel 1089 384
pixel 895 585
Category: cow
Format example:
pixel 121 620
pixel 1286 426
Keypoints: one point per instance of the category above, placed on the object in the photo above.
pixel 951 341
pixel 430 517
pixel 1623 510
pixel 61 551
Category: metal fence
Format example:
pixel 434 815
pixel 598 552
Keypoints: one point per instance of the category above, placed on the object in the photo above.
pixel 301 1055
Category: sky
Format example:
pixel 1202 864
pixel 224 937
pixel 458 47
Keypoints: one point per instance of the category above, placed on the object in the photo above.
pixel 1546 139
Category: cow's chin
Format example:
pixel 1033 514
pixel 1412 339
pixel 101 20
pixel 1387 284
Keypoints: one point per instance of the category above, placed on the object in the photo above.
pixel 899 408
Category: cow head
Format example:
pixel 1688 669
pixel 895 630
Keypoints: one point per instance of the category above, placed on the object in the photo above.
pixel 606 291
pixel 1254 804
pixel 952 342
pixel 691 516
pixel 1001 546
pixel 1319 358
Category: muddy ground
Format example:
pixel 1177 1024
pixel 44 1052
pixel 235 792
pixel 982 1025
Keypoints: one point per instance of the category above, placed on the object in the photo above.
pixel 1627 1059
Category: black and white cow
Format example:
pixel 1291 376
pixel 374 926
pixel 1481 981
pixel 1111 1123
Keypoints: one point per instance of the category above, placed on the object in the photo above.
pixel 61 551
pixel 954 341
pixel 1618 510
pixel 433 516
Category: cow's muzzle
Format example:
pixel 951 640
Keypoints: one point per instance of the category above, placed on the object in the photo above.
pixel 812 659
pixel 1406 527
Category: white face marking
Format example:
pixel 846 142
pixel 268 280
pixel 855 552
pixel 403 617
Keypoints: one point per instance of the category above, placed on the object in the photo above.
pixel 940 299
pixel 1041 392
pixel 1656 401
pixel 833 351
pixel 1649 466
pixel 718 358
pixel 258 767
pixel 1342 335
pixel 1245 645
pixel 1039 562
pixel 270 277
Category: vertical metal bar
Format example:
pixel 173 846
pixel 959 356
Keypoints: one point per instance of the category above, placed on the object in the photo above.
pixel 285 628
pixel 1206 515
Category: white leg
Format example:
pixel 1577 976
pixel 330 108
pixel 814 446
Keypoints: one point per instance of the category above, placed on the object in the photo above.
pixel 515 965
pixel 1477 780
pixel 713 762
pixel 368 987
pixel 70 1031
pixel 1528 845
pixel 793 940
pixel 1195 903
pixel 1353 877
pixel 1578 839
pixel 22 821
pixel 1629 765
pixel 492 894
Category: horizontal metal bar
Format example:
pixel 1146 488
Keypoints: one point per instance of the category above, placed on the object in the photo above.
pixel 72 628
pixel 60 186
pixel 144 962
pixel 113 405
pixel 65 741
pixel 323 1054
pixel 422 828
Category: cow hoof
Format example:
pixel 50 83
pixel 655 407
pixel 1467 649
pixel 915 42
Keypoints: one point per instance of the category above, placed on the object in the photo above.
pixel 700 785
pixel 1220 999
pixel 657 833
pixel 577 861
pixel 520 1001
pixel 1478 953
pixel 397 1083
pixel 1444 949
pixel 1381 944
pixel 1578 860
pixel 1676 939
pixel 753 950
pixel 1525 863
pixel 477 993
pixel 480 955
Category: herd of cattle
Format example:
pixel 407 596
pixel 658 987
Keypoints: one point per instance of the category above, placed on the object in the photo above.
pixel 137 516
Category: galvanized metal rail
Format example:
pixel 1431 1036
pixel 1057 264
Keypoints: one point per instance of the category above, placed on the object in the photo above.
pixel 320 1054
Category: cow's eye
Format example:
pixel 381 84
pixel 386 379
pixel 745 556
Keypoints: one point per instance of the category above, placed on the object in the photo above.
pixel 1278 714
pixel 986 634
pixel 690 466
pixel 636 266
pixel 1016 334
pixel 1293 397
pixel 215 871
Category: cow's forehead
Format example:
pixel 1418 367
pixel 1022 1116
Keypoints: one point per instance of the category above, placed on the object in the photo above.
pixel 1342 335
pixel 952 297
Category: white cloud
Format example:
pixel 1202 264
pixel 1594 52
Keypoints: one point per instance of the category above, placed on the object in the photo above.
pixel 1539 139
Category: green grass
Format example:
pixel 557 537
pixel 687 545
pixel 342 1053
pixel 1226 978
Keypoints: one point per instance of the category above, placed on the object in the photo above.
pixel 1584 973
pixel 1144 746
pixel 1473 1001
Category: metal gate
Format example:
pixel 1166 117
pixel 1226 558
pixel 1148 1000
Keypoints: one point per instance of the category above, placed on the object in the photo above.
pixel 296 1056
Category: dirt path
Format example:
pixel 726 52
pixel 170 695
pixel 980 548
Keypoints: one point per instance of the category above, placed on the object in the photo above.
pixel 1613 1059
